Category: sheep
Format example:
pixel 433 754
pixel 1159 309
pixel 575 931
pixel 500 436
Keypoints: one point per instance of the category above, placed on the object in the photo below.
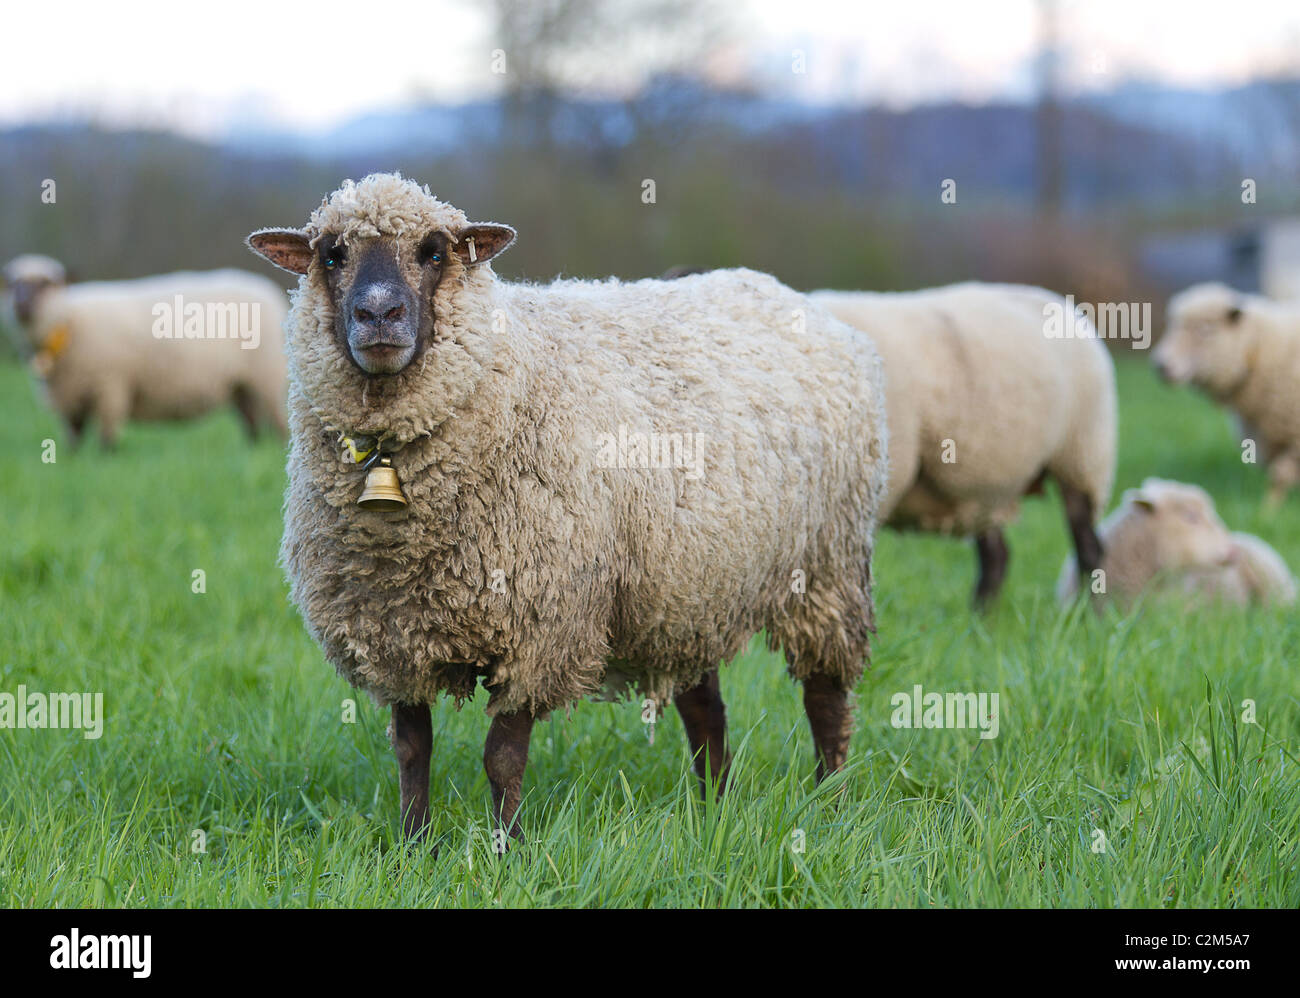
pixel 983 405
pixel 1166 538
pixel 541 552
pixel 162 348
pixel 1243 351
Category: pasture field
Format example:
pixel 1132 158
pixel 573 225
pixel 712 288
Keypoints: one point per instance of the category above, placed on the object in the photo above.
pixel 1123 773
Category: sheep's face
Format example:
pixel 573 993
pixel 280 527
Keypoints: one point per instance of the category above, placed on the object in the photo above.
pixel 383 297
pixel 1208 343
pixel 1186 528
pixel 26 293
pixel 27 279
pixel 382 289
pixel 372 260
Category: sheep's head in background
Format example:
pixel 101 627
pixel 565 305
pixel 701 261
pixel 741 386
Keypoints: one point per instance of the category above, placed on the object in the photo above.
pixel 29 276
pixel 381 253
pixel 1209 340
pixel 1183 525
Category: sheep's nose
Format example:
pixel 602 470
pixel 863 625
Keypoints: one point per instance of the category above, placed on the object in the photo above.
pixel 378 304
pixel 392 315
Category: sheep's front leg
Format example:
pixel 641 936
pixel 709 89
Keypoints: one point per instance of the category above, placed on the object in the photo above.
pixel 413 745
pixel 993 554
pixel 1087 545
pixel 505 756
pixel 704 716
pixel 826 702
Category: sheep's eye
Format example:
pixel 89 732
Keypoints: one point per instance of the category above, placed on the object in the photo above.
pixel 430 252
pixel 334 257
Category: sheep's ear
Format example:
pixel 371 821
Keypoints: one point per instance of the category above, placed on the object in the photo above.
pixel 288 249
pixel 1139 499
pixel 481 241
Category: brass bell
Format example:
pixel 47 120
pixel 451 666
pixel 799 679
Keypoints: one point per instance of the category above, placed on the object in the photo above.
pixel 383 492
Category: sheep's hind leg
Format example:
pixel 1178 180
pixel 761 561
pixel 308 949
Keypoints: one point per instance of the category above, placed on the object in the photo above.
pixel 704 716
pixel 505 756
pixel 1087 545
pixel 826 701
pixel 993 553
pixel 413 745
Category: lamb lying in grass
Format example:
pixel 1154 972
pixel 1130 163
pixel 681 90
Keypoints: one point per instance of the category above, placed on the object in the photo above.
pixel 1166 539
pixel 545 551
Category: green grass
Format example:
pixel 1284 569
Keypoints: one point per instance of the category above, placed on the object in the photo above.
pixel 223 717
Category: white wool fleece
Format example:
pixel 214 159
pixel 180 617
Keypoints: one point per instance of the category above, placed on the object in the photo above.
pixel 981 401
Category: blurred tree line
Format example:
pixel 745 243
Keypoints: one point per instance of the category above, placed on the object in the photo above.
pixel 847 197
pixel 848 200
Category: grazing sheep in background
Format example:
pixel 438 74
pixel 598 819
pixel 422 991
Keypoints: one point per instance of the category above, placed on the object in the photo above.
pixel 983 406
pixel 162 348
pixel 1244 352
pixel 549 549
pixel 1166 537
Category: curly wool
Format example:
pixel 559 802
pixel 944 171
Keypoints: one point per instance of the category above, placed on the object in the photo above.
pixel 523 559
pixel 971 375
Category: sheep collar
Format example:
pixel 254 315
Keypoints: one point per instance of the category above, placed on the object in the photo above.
pixel 383 489
pixel 43 360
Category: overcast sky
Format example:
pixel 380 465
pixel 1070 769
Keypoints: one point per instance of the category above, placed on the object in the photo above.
pixel 201 68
